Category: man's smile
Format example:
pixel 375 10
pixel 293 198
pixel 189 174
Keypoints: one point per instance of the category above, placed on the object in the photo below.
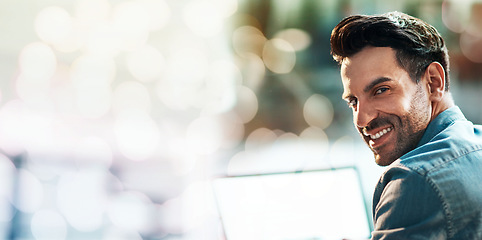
pixel 376 138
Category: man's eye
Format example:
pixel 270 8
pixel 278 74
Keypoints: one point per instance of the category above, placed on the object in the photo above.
pixel 381 90
pixel 352 103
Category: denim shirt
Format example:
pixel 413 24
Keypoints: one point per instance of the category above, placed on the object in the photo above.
pixel 435 190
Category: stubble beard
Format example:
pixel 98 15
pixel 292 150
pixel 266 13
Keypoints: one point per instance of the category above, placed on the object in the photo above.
pixel 407 136
pixel 408 129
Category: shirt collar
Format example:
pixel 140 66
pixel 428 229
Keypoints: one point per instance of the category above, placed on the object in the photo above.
pixel 441 122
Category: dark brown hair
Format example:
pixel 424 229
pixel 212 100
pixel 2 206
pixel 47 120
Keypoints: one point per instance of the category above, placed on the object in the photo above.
pixel 417 43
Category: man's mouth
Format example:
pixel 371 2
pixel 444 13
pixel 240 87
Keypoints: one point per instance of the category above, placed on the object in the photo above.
pixel 374 139
pixel 378 134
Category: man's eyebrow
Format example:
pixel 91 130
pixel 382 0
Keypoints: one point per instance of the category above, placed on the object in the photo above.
pixel 367 88
pixel 376 82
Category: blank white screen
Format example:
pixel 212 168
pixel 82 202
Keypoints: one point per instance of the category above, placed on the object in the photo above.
pixel 307 205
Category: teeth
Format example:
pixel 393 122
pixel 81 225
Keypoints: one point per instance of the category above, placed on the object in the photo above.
pixel 381 133
pixel 365 132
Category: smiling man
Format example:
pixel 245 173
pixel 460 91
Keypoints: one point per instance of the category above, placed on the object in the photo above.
pixel 394 70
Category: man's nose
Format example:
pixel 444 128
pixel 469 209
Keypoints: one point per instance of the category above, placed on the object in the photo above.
pixel 363 115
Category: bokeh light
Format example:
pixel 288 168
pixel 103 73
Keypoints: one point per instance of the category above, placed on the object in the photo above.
pixel 30 192
pixel 248 39
pixel 146 63
pixel 131 96
pixel 206 17
pixel 92 69
pixel 34 92
pixel 299 39
pixel 116 115
pixel 471 46
pixel 37 61
pixel 233 130
pixel 203 18
pixel 130 211
pixel 5 216
pixel 220 87
pixel 181 87
pixel 7 176
pixel 54 25
pixel 279 56
pixel 315 141
pixel 23 128
pixel 318 111
pixel 48 225
pixel 463 18
pixel 131 24
pixel 93 101
pixel 93 150
pixel 253 71
pixel 342 150
pixel 91 76
pixel 198 204
pixel 204 135
pixel 115 233
pixel 89 13
pixel 454 15
pixel 159 13
pixel 185 162
pixel 226 7
pixel 82 199
pixel 137 135
pixel 260 138
pixel 188 65
pixel 103 39
pixel 247 105
pixel 170 216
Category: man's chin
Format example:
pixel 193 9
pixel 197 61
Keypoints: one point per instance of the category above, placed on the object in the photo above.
pixel 383 161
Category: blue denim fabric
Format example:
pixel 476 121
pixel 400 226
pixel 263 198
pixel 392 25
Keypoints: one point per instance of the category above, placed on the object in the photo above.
pixel 435 190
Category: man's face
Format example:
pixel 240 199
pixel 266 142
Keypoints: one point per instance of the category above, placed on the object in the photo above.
pixel 390 110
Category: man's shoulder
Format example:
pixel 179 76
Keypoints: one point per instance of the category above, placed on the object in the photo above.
pixel 460 140
pixel 455 150
pixel 451 160
pixel 439 177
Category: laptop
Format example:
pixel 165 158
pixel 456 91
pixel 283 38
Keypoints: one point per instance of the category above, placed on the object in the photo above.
pixel 315 205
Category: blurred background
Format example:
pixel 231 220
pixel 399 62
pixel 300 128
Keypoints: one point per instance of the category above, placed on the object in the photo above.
pixel 115 115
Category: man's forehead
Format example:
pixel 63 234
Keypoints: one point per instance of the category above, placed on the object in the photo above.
pixel 369 66
pixel 370 54
pixel 368 62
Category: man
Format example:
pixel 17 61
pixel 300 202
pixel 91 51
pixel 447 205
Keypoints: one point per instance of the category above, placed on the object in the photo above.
pixel 394 70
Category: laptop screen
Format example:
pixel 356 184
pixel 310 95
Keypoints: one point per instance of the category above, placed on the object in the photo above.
pixel 319 204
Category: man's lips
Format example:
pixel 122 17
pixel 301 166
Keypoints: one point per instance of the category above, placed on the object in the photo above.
pixel 377 134
pixel 374 137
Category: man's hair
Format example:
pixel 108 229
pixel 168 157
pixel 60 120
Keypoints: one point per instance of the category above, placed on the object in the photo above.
pixel 417 43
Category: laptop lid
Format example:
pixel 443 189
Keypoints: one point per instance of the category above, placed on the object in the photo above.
pixel 316 204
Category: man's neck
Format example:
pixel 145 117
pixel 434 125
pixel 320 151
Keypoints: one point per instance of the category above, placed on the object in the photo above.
pixel 446 103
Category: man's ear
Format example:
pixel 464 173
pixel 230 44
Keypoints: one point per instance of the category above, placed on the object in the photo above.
pixel 435 76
